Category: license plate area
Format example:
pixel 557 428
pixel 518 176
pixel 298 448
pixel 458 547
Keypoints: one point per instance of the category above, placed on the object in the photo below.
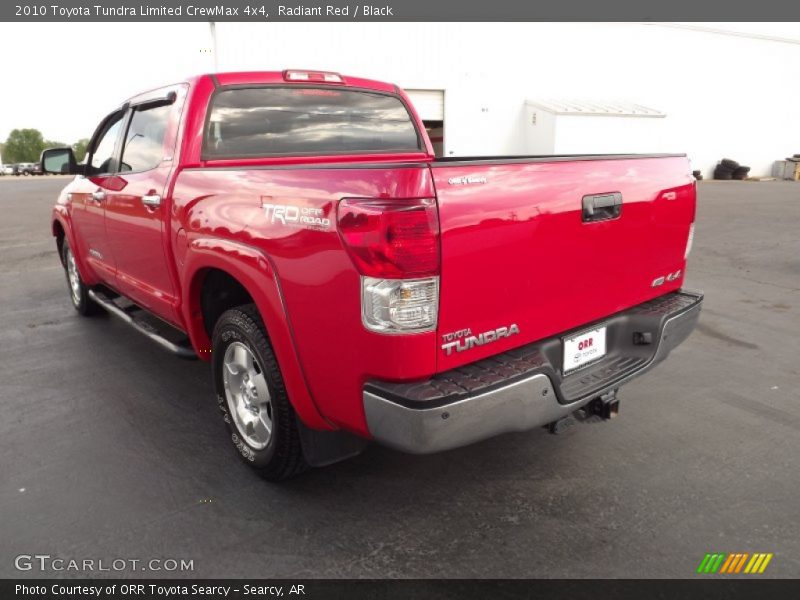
pixel 583 349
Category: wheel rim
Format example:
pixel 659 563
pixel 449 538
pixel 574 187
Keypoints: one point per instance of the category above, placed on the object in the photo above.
pixel 247 394
pixel 74 278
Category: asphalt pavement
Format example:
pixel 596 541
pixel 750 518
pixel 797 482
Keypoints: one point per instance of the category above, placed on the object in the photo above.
pixel 110 448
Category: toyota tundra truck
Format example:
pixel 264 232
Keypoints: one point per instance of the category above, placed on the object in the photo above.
pixel 295 230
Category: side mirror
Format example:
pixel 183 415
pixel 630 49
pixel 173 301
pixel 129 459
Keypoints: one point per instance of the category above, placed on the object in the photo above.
pixel 60 161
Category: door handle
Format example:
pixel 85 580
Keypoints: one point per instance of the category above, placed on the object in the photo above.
pixel 602 207
pixel 98 196
pixel 152 200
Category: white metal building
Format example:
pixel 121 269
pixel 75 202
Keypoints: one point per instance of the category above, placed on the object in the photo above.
pixel 710 91
pixel 574 126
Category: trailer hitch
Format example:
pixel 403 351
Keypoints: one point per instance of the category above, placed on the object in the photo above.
pixel 605 406
pixel 599 409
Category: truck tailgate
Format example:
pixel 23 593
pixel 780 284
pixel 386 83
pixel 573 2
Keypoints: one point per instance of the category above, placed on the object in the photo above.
pixel 554 244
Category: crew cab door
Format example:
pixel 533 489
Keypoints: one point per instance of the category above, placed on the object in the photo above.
pixel 88 195
pixel 137 211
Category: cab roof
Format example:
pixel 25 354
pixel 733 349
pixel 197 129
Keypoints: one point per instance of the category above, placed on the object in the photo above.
pixel 273 77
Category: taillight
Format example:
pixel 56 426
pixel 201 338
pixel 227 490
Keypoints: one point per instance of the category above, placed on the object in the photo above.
pixel 394 244
pixel 391 238
pixel 689 242
pixel 399 305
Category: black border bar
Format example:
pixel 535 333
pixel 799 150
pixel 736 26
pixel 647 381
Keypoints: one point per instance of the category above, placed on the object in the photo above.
pixel 708 588
pixel 398 10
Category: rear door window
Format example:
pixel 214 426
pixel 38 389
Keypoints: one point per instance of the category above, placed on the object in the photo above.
pixel 270 121
pixel 144 140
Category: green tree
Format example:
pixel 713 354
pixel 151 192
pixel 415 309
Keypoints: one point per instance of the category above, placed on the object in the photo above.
pixel 79 148
pixel 23 145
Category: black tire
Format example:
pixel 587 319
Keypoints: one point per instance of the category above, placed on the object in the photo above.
pixel 282 457
pixel 80 293
pixel 740 173
pixel 729 164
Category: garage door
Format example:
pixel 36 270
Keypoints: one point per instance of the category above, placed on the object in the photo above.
pixel 429 104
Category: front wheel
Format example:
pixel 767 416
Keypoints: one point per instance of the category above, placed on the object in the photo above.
pixel 78 292
pixel 251 396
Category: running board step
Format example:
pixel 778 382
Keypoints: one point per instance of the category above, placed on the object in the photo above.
pixel 163 334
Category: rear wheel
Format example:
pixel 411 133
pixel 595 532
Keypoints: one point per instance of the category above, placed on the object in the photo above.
pixel 252 398
pixel 78 292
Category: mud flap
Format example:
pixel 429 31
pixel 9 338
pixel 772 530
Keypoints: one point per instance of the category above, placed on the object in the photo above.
pixel 323 448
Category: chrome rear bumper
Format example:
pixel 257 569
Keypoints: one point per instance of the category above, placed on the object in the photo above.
pixel 523 388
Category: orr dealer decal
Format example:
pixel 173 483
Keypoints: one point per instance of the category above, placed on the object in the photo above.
pixel 291 215
pixel 467 180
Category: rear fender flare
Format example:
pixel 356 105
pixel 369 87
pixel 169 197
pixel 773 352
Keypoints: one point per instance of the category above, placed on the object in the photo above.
pixel 253 269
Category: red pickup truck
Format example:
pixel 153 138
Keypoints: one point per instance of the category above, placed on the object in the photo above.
pixel 295 229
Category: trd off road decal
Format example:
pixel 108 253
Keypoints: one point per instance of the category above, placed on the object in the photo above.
pixel 291 215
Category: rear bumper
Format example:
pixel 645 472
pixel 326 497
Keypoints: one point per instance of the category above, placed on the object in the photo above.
pixel 525 387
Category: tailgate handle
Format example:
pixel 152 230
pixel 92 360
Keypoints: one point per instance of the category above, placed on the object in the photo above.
pixel 602 207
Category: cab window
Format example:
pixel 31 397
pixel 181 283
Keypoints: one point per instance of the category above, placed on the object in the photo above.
pixel 144 140
pixel 102 160
pixel 282 121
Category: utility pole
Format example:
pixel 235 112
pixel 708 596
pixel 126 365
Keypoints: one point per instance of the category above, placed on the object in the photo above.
pixel 213 28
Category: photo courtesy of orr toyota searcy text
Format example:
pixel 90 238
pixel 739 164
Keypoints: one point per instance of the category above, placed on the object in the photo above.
pixel 141 590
